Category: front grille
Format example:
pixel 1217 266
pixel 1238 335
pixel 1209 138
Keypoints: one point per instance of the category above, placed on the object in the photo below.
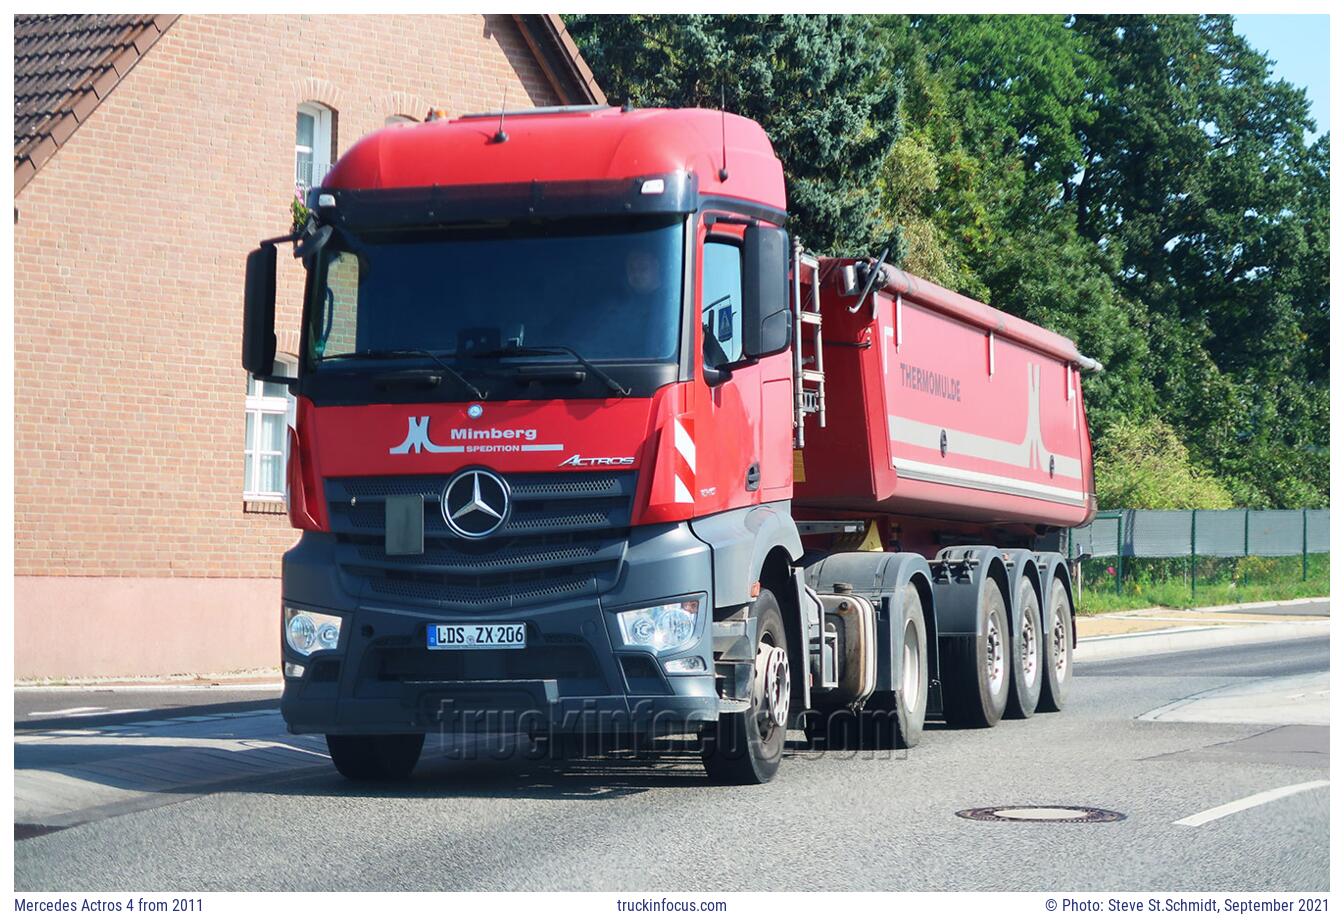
pixel 565 537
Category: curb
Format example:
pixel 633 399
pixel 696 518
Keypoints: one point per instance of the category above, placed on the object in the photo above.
pixel 1229 608
pixel 1183 639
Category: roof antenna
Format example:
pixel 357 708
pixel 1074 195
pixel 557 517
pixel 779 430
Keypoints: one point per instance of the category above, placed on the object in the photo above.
pixel 500 137
pixel 723 133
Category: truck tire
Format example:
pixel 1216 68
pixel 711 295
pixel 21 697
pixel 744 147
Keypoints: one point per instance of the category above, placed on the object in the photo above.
pixel 976 668
pixel 1057 648
pixel 894 720
pixel 375 757
pixel 744 748
pixel 1024 691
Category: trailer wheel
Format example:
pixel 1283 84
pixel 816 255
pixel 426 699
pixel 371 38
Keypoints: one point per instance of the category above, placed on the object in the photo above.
pixel 895 720
pixel 375 757
pixel 976 668
pixel 1028 658
pixel 1058 649
pixel 744 748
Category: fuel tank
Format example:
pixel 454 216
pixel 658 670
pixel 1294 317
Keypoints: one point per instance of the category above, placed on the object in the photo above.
pixel 943 407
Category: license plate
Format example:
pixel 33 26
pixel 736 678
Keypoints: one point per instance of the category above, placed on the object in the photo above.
pixel 477 635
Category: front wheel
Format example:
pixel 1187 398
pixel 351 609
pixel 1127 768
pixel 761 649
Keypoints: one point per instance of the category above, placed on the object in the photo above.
pixel 375 757
pixel 744 748
pixel 895 720
pixel 1058 636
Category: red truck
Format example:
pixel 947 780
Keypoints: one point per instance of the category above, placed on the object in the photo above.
pixel 586 444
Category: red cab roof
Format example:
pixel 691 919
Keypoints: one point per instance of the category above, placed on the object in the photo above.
pixel 569 145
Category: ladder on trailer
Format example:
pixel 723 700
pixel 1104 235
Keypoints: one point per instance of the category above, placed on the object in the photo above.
pixel 809 373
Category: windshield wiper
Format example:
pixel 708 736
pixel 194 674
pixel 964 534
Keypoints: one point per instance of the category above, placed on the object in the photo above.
pixel 375 354
pixel 525 351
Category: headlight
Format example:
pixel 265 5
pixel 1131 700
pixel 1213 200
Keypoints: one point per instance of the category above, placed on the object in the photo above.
pixel 662 628
pixel 307 632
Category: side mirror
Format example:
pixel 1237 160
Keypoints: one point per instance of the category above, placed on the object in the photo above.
pixel 767 328
pixel 259 312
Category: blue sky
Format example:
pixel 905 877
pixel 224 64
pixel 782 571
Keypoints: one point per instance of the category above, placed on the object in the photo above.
pixel 1299 45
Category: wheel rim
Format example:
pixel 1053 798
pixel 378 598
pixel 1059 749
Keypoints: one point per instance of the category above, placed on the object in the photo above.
pixel 911 678
pixel 994 656
pixel 1059 639
pixel 773 686
pixel 1031 653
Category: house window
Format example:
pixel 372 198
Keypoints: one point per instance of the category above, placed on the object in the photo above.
pixel 312 145
pixel 270 412
pixel 391 120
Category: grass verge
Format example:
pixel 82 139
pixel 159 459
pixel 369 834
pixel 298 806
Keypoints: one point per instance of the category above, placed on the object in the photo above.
pixel 1166 582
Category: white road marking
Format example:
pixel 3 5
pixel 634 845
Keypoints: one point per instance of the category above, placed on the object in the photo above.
pixel 1251 801
pixel 86 711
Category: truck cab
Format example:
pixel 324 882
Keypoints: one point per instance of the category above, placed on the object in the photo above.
pixel 543 382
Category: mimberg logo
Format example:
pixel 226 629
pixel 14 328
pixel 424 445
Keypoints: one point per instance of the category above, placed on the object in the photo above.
pixel 495 434
pixel 418 440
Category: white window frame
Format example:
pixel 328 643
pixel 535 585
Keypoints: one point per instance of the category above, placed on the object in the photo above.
pixel 257 406
pixel 320 152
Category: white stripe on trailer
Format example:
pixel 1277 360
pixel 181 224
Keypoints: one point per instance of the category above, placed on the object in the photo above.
pixel 533 448
pixel 955 476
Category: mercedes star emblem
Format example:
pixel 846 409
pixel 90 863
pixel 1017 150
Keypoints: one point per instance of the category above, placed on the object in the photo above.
pixel 475 503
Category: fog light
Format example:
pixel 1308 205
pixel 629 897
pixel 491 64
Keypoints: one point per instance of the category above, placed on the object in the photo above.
pixel 307 632
pixel 293 670
pixel 692 665
pixel 663 628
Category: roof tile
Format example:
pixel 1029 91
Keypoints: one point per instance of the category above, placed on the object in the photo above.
pixel 64 65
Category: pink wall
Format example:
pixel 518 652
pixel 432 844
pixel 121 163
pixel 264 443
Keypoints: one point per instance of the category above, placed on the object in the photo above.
pixel 117 627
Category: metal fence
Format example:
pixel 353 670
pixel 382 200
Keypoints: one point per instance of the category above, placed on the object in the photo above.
pixel 1194 534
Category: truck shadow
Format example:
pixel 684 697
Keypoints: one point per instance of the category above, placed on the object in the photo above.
pixel 94 777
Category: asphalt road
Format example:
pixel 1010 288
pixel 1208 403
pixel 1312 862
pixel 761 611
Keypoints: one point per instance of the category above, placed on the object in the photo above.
pixel 828 821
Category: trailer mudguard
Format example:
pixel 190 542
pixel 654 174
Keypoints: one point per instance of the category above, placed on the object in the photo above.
pixel 959 573
pixel 1050 566
pixel 739 541
pixel 1020 564
pixel 880 577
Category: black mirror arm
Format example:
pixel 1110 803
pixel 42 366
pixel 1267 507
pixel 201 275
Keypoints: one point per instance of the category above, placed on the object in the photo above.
pixel 714 376
pixel 287 238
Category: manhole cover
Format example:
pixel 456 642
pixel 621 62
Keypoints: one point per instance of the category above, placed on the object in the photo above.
pixel 1056 814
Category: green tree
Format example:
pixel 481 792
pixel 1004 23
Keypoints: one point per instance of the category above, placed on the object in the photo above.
pixel 822 88
pixel 1147 465
pixel 993 110
pixel 1197 174
pixel 1142 185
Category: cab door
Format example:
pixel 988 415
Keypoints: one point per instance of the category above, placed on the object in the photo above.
pixel 727 415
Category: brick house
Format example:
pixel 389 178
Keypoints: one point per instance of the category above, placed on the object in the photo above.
pixel 150 154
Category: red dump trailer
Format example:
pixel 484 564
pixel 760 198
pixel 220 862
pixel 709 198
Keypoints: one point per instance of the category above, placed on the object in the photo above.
pixel 587 444
pixel 941 409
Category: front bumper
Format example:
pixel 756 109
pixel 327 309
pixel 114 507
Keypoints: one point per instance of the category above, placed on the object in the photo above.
pixel 575 675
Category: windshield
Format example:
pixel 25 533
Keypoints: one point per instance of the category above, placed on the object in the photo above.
pixel 610 291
